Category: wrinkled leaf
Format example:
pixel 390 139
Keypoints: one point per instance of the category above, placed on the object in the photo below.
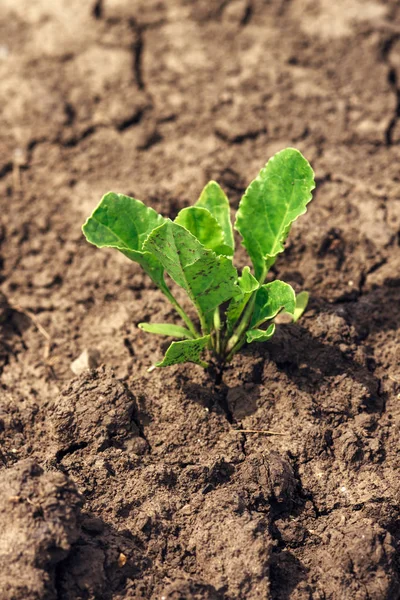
pixel 247 285
pixel 209 280
pixel 215 201
pixel 258 335
pixel 271 298
pixel 301 305
pixel 186 351
pixel 204 227
pixel 276 198
pixel 167 329
pixel 124 223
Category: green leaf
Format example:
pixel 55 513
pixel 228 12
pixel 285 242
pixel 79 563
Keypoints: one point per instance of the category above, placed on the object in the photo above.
pixel 247 285
pixel 187 351
pixel 204 227
pixel 224 250
pixel 276 198
pixel 209 280
pixel 124 223
pixel 215 201
pixel 301 305
pixel 258 335
pixel 166 329
pixel 271 298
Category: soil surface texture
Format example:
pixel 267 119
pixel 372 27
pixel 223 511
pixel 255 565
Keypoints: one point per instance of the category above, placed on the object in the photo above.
pixel 119 484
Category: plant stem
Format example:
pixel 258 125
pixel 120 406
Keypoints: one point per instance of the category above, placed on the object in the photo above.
pixel 217 327
pixel 166 291
pixel 238 338
pixel 235 349
pixel 203 323
pixel 241 328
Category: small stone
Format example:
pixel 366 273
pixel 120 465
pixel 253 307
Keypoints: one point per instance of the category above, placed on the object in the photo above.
pixel 122 560
pixel 136 445
pixel 88 360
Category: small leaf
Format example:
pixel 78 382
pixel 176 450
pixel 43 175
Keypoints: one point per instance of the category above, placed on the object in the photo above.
pixel 276 198
pixel 270 299
pixel 258 335
pixel 301 305
pixel 209 280
pixel 215 201
pixel 167 329
pixel 203 226
pixel 124 223
pixel 247 284
pixel 186 351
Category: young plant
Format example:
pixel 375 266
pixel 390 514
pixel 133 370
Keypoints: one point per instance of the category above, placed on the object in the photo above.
pixel 196 251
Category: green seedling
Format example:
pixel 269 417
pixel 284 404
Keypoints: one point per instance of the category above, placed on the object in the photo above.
pixel 196 251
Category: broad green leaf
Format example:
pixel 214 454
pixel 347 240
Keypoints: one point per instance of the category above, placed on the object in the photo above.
pixel 301 305
pixel 124 223
pixel 258 335
pixel 276 198
pixel 247 285
pixel 215 201
pixel 209 280
pixel 167 329
pixel 186 351
pixel 204 227
pixel 271 298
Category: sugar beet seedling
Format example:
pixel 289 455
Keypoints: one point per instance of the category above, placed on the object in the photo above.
pixel 196 250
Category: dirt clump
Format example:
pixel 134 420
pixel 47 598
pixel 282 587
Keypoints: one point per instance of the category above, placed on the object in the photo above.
pixel 39 514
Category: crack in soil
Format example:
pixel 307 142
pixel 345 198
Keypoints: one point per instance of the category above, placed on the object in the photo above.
pixel 97 10
pixel 137 50
pixel 393 80
pixel 394 84
pixel 132 120
pixel 241 137
pixel 5 169
pixel 70 450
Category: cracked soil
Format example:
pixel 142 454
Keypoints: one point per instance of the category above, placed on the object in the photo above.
pixel 126 485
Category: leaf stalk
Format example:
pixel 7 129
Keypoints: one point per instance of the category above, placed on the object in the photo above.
pixel 189 323
pixel 238 338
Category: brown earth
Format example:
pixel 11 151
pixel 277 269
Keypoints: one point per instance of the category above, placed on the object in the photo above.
pixel 122 484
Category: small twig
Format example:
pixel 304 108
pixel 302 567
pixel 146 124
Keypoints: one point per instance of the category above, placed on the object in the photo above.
pixel 394 379
pixel 264 431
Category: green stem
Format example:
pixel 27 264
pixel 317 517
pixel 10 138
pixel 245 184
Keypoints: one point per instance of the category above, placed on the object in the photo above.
pixel 203 323
pixel 238 338
pixel 217 328
pixel 166 291
pixel 235 349
pixel 242 327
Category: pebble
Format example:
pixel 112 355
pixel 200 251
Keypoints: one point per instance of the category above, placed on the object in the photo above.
pixel 89 359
